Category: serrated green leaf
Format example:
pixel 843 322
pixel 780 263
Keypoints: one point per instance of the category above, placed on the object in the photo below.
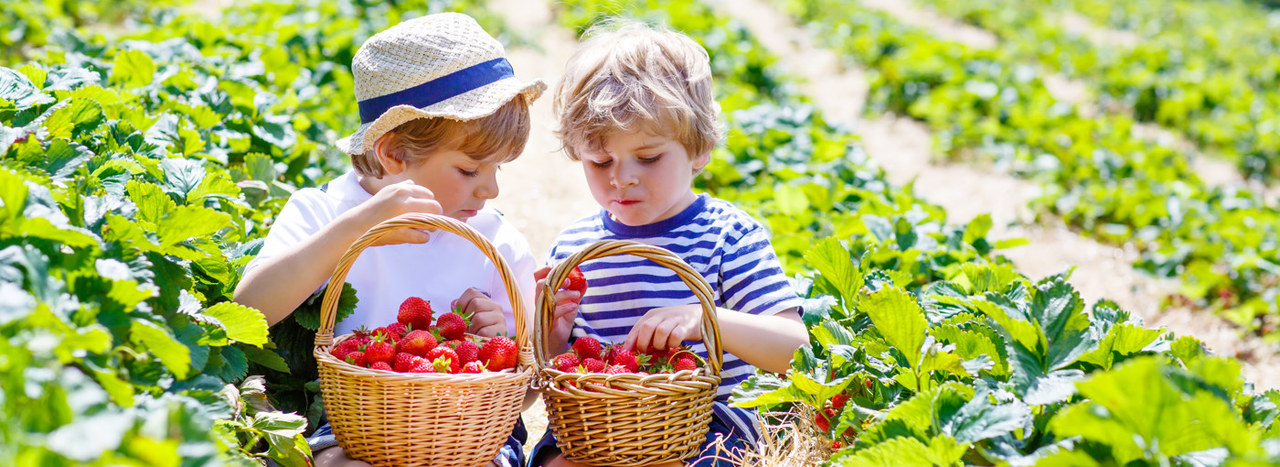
pixel 242 323
pixel 74 120
pixel 833 263
pixel 171 353
pixel 17 92
pixel 153 204
pixel 979 419
pixel 277 130
pixel 234 363
pixel 899 318
pixel 266 358
pixel 186 222
pixel 65 158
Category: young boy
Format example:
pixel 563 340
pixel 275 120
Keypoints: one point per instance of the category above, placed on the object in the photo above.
pixel 636 108
pixel 440 111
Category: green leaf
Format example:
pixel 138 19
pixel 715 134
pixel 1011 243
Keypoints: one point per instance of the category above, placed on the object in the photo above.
pixel 835 264
pixel 979 419
pixel 86 439
pixel 65 158
pixel 791 199
pixel 153 204
pixel 899 318
pixel 277 130
pixel 242 323
pixel 132 68
pixel 266 358
pixel 902 451
pixel 17 92
pixel 234 363
pixel 74 120
pixel 172 354
pixel 186 222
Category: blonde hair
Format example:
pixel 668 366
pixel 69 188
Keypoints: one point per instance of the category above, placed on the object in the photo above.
pixel 499 136
pixel 633 77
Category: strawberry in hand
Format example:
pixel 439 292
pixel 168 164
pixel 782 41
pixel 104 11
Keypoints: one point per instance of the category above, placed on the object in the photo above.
pixel 576 281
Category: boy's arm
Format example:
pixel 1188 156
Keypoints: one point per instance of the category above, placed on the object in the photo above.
pixel 764 341
pixel 280 283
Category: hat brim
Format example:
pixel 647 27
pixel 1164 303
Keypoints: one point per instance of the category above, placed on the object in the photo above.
pixel 477 103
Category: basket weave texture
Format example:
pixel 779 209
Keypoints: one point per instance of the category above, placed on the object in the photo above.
pixel 437 419
pixel 628 419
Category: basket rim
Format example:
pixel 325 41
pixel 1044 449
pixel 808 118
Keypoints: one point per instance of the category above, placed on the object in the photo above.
pixel 329 306
pixel 545 302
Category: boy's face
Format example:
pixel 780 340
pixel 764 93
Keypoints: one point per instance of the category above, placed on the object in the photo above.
pixel 640 177
pixel 461 184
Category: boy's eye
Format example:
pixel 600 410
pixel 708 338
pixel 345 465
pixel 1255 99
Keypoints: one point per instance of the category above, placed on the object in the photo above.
pixel 650 159
pixel 468 173
pixel 601 164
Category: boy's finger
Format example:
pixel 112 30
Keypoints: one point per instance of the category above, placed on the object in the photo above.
pixel 541 273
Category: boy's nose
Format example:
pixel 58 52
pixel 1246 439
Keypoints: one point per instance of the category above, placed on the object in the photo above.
pixel 488 189
pixel 623 176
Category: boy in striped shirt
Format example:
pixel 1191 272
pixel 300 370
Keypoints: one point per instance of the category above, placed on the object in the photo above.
pixel 636 108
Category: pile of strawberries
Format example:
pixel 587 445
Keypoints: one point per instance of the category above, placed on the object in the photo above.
pixel 413 345
pixel 588 355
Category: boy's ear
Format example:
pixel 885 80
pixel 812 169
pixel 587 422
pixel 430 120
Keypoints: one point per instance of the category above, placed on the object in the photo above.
pixel 700 162
pixel 383 150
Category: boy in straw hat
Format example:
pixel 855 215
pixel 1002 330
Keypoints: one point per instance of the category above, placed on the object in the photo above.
pixel 636 107
pixel 440 111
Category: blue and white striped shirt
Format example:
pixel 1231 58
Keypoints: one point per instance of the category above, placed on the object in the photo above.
pixel 726 245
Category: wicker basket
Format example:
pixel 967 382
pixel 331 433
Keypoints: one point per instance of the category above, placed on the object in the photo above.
pixel 387 418
pixel 634 420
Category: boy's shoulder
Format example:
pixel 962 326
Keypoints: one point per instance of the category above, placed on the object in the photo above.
pixel 726 217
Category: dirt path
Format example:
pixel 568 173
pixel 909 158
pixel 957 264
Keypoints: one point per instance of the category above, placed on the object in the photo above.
pixel 903 147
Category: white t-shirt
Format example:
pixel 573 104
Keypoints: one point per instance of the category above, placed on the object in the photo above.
pixel 383 276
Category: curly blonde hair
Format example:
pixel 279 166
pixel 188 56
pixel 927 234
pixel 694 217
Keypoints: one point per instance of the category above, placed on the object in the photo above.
pixel 499 136
pixel 633 77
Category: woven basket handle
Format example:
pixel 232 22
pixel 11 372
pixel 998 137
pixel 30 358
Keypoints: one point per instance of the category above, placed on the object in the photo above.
pixel 547 305
pixel 329 307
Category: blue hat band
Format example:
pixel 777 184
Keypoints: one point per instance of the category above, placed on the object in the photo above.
pixel 439 89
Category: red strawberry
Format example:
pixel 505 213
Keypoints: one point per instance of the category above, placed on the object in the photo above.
pixel 565 362
pixel 357 358
pixel 587 347
pixel 452 325
pixel 379 351
pixel 473 367
pixel 417 342
pixel 387 334
pixel 686 364
pixel 398 329
pixel 381 366
pixel 823 425
pixel 445 352
pixel 838 400
pixel 593 365
pixel 467 351
pixel 626 358
pixel 501 353
pixel 415 312
pixel 615 370
pixel 403 362
pixel 577 281
pixel 340 351
pixel 422 365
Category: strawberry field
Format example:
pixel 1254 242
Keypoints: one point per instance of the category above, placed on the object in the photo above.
pixel 147 147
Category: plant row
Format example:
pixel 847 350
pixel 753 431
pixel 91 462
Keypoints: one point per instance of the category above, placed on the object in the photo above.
pixel 140 174
pixel 1209 71
pixel 936 352
pixel 1223 243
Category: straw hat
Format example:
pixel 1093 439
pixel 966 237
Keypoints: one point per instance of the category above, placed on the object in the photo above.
pixel 441 65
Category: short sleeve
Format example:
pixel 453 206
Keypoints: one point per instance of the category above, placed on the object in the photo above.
pixel 751 277
pixel 304 214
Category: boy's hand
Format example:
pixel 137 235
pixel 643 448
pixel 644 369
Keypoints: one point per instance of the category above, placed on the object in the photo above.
pixel 487 317
pixel 566 309
pixel 396 199
pixel 666 327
